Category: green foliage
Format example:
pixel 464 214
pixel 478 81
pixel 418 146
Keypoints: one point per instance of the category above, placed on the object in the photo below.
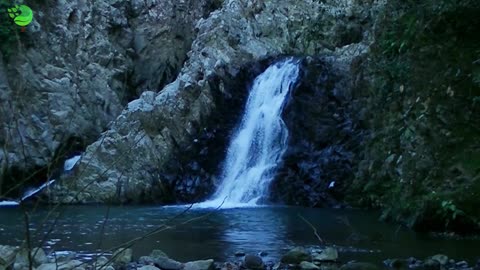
pixel 8 37
pixel 449 211
pixel 424 69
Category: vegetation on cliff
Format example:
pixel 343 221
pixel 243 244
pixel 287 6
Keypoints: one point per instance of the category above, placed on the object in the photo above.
pixel 421 164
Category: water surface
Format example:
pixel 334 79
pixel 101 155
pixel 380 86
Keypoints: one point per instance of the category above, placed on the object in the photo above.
pixel 221 233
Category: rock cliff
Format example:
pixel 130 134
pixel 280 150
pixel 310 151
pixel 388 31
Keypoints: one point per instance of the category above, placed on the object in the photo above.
pixel 129 160
pixel 73 71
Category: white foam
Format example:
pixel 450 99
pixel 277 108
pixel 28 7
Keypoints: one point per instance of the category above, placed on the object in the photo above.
pixel 9 203
pixel 70 163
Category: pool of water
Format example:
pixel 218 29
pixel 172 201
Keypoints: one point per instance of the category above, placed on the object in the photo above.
pixel 218 234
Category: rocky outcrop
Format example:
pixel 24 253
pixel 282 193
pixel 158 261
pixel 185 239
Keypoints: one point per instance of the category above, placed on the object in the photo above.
pixel 127 161
pixel 323 134
pixel 76 67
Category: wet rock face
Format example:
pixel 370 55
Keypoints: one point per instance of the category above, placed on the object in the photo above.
pixel 192 176
pixel 322 136
pixel 79 63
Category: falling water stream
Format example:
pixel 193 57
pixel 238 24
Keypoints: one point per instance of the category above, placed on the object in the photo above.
pixel 259 141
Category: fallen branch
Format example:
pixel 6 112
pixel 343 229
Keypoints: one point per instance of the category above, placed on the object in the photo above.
pixel 313 228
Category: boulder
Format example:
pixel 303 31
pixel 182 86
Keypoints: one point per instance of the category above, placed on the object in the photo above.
pixel 296 256
pixel 122 256
pixel 167 263
pixel 200 265
pixel 308 266
pixel 146 260
pixel 38 256
pixel 252 262
pixel 7 255
pixel 102 261
pixel 442 259
pixel 157 253
pixel 328 254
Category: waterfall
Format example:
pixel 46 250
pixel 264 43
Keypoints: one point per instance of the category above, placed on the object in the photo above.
pixel 259 141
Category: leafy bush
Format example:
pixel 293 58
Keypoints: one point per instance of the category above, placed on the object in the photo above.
pixel 422 165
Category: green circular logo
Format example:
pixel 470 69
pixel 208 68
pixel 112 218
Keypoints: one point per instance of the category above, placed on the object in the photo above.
pixel 22 15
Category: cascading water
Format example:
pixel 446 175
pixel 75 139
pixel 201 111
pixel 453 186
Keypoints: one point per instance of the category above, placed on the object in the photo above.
pixel 259 142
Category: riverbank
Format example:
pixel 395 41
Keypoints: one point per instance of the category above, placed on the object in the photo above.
pixel 325 258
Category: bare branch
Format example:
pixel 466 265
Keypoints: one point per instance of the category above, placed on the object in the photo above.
pixel 313 228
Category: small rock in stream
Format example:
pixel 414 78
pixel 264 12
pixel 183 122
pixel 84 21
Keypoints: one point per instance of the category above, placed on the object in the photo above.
pixel 252 262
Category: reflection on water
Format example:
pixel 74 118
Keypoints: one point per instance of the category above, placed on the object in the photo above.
pixel 254 229
pixel 218 234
